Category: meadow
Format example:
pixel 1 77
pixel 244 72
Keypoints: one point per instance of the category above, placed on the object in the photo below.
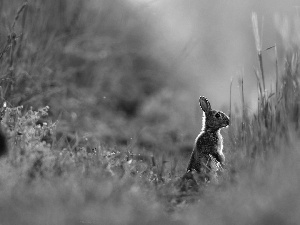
pixel 97 136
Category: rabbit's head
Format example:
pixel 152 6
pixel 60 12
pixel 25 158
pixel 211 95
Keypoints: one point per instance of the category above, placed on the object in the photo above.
pixel 212 119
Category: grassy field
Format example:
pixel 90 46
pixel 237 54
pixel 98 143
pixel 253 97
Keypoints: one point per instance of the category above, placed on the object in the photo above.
pixel 95 136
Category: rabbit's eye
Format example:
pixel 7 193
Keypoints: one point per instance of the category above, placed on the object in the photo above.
pixel 217 115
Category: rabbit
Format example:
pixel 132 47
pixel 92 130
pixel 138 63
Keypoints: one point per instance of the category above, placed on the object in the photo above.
pixel 207 151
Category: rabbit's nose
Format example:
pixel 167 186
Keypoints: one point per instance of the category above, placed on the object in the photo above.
pixel 227 121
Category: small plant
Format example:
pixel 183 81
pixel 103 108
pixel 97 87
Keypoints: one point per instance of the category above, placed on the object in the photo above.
pixel 26 133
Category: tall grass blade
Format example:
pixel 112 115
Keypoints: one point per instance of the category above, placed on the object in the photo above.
pixel 230 97
pixel 277 74
pixel 258 43
pixel 255 32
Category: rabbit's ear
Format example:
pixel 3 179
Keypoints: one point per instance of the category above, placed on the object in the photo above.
pixel 204 104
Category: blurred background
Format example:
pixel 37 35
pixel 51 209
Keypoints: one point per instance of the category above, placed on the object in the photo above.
pixel 129 73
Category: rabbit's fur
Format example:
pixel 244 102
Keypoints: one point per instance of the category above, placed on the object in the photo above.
pixel 209 143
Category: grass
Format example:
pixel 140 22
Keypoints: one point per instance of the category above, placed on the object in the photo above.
pixel 58 173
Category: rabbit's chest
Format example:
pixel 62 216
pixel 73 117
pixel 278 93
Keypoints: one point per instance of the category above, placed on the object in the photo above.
pixel 209 143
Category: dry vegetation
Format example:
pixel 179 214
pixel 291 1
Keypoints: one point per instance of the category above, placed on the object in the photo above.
pixel 77 61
